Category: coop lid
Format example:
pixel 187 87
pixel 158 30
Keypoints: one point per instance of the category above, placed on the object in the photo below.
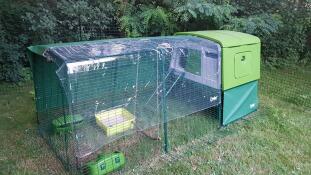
pixel 224 37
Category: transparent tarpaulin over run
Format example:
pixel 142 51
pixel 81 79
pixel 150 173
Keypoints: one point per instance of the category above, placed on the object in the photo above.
pixel 121 86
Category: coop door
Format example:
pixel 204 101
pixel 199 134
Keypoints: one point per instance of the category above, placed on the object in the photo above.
pixel 242 64
pixel 147 86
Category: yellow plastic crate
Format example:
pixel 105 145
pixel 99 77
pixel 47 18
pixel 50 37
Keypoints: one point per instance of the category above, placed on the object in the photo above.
pixel 115 121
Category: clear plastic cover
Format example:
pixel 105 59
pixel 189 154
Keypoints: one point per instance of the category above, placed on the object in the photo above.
pixel 121 86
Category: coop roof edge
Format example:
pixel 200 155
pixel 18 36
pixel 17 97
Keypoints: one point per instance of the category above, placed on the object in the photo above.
pixel 98 52
pixel 40 49
pixel 225 38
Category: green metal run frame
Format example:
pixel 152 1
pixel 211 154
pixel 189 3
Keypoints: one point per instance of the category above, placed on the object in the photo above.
pixel 164 114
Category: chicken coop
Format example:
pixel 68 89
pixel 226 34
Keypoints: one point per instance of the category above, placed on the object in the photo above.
pixel 110 104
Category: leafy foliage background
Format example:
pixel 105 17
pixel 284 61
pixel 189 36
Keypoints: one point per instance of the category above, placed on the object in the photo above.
pixel 283 26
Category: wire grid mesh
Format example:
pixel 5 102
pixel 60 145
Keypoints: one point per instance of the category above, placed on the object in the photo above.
pixel 130 98
pixel 290 85
pixel 283 92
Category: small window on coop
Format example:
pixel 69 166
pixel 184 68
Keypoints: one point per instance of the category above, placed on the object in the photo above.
pixel 190 61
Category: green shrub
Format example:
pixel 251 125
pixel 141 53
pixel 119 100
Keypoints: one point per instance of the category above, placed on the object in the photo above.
pixel 145 20
pixel 152 18
pixel 83 20
pixel 10 65
pixel 283 26
pixel 11 41
pixel 202 15
pixel 283 34
pixel 31 22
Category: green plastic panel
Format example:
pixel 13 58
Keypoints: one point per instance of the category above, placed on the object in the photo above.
pixel 239 102
pixel 240 55
pixel 240 65
pixel 48 91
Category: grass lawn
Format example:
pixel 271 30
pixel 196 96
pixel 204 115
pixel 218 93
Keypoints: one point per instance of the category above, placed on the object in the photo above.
pixel 275 140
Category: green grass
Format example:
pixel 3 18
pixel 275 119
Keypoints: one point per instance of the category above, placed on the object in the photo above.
pixel 275 140
pixel 22 149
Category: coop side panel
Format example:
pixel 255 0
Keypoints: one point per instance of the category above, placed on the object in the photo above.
pixel 49 94
pixel 51 104
pixel 240 65
pixel 240 101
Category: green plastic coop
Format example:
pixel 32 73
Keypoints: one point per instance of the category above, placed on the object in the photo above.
pixel 240 71
pixel 103 103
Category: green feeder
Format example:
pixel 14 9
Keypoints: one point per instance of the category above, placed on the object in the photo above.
pixel 106 163
pixel 65 123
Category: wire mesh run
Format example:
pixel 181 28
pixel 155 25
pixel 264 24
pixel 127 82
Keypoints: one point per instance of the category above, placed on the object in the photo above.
pixel 99 103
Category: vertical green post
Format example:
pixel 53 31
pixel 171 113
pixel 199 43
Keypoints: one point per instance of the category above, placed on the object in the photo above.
pixel 115 74
pixel 164 115
pixel 219 111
